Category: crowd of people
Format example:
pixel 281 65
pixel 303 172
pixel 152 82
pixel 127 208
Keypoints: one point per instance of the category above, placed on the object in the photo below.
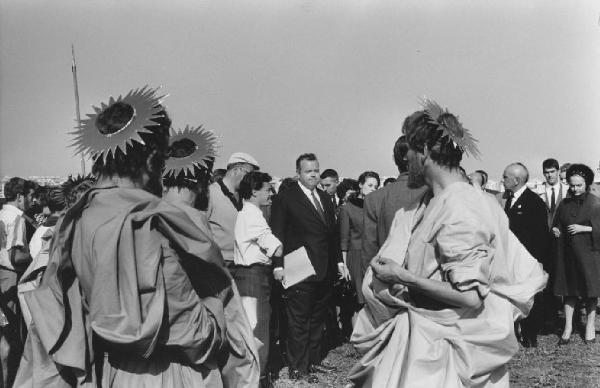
pixel 159 271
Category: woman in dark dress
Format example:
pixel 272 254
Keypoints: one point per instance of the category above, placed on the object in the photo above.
pixel 577 229
pixel 351 228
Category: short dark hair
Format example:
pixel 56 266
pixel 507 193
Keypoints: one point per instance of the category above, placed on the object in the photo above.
pixel 550 163
pixel 368 174
pixel 421 132
pixel 286 183
pixel 345 185
pixel 329 173
pixel 400 151
pixel 388 181
pixel 218 174
pixel 133 162
pixel 308 156
pixel 197 181
pixel 583 171
pixel 254 180
pixel 52 197
pixel 565 167
pixel 16 186
pixel 484 177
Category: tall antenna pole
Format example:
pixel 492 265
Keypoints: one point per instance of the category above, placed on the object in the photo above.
pixel 74 70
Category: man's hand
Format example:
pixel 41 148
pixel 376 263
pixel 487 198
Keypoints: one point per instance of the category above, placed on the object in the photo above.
pixel 556 232
pixel 278 274
pixel 390 272
pixel 575 228
pixel 343 271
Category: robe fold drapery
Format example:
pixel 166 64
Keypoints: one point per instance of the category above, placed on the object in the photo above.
pixel 135 294
pixel 460 236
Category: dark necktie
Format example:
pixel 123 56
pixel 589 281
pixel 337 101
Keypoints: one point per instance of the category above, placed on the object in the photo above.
pixel 318 206
pixel 508 203
pixel 553 201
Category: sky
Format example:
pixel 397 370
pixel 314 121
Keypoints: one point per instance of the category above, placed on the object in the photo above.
pixel 334 77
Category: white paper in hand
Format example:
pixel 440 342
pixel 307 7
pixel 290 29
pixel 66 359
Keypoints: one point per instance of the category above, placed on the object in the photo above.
pixel 296 267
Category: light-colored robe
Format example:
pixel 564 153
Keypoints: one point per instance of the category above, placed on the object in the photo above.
pixel 461 236
pixel 135 295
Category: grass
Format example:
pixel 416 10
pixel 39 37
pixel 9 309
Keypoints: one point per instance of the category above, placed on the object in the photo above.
pixel 548 365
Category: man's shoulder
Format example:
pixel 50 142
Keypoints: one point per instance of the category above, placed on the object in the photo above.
pixel 533 197
pixel 9 213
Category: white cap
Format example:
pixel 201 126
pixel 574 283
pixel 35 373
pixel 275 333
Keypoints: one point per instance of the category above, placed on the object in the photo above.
pixel 242 157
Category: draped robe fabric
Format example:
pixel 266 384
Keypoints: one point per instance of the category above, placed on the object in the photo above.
pixel 460 236
pixel 135 294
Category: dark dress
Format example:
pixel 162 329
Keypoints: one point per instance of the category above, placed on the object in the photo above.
pixel 577 270
pixel 351 230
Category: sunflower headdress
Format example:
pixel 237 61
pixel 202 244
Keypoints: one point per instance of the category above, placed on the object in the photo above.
pixel 459 136
pixel 190 149
pixel 97 137
pixel 68 193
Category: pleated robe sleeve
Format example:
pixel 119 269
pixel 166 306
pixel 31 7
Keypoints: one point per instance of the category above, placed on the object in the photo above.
pixel 463 244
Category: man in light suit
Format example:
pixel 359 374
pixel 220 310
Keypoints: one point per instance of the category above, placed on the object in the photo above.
pixel 303 216
pixel 527 220
pixel 381 205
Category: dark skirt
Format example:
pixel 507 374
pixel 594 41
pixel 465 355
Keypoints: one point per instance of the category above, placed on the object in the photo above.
pixel 353 261
pixel 577 273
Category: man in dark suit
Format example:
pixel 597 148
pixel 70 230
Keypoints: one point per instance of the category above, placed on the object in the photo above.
pixel 303 216
pixel 527 220
pixel 381 205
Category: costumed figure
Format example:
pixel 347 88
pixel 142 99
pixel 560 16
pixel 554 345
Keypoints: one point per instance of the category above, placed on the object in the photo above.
pixel 444 290
pixel 134 293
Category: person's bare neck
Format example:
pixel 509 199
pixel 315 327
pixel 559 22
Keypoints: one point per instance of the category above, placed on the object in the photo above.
pixel 443 177
pixel 182 195
pixel 229 182
pixel 115 180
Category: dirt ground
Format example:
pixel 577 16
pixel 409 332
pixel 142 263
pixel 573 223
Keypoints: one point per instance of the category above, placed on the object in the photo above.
pixel 548 365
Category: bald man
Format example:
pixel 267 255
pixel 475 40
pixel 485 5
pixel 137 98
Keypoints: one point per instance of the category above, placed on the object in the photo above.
pixel 526 213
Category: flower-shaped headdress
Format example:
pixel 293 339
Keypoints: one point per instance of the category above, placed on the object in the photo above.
pixel 100 138
pixel 190 148
pixel 453 129
pixel 67 194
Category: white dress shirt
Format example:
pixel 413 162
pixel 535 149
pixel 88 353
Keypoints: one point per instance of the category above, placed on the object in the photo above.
pixel 13 233
pixel 308 194
pixel 254 240
pixel 560 192
pixel 516 195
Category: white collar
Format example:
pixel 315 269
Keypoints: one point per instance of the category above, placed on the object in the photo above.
pixel 249 206
pixel 556 187
pixel 306 190
pixel 518 193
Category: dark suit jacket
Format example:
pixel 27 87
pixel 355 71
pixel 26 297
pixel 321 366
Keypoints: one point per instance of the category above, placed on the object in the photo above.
pixel 296 223
pixel 379 210
pixel 527 219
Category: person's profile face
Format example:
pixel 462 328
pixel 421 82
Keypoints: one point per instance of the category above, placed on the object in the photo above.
pixel 264 195
pixel 563 177
pixel 369 186
pixel 509 180
pixel 308 174
pixel 551 175
pixel 475 179
pixel 577 185
pixel 330 185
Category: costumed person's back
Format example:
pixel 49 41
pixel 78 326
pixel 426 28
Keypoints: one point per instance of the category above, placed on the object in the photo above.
pixel 445 289
pixel 134 293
